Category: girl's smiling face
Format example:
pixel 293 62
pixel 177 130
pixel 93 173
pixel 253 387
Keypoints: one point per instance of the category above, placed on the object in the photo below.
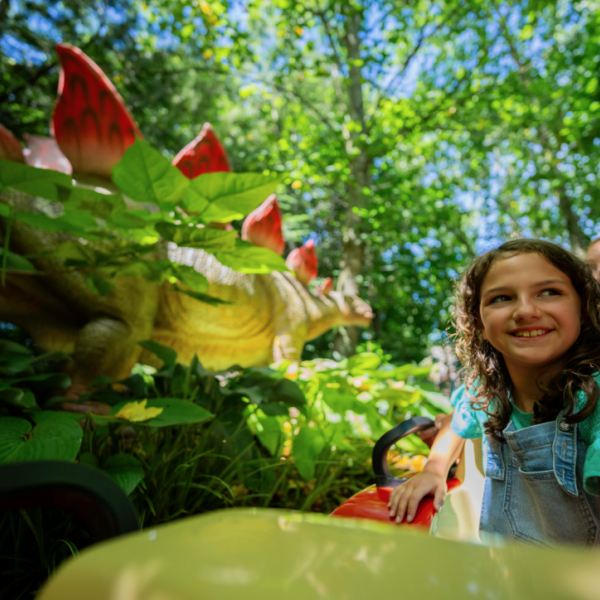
pixel 530 312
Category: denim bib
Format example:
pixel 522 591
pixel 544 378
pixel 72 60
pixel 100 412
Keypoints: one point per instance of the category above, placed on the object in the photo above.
pixel 534 486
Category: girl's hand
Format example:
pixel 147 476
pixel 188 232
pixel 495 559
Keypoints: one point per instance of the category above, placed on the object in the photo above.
pixel 406 497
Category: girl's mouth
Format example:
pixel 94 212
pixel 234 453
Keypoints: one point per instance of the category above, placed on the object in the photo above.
pixel 532 333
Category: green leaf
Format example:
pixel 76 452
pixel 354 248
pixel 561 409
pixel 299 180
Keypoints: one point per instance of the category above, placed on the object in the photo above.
pixel 17 262
pixel 190 277
pixel 224 197
pixel 99 285
pixel 89 459
pixel 126 470
pixel 205 238
pixel 44 183
pixel 98 204
pixel 55 437
pixel 166 354
pixel 361 363
pixel 145 175
pixel 17 397
pixel 76 222
pixel 247 258
pixel 307 446
pixel 212 300
pixel 175 412
pixel 269 433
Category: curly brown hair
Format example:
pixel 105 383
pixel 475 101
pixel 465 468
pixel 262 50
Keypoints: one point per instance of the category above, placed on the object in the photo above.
pixel 487 377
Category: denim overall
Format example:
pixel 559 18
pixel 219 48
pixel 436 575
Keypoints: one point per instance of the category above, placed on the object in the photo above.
pixel 534 486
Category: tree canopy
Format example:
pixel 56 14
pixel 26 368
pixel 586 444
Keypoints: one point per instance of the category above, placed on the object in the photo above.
pixel 411 135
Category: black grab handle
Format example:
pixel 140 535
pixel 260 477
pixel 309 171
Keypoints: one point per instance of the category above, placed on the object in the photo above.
pixel 383 475
pixel 90 495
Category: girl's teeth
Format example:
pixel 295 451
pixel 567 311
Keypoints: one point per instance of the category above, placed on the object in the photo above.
pixel 534 333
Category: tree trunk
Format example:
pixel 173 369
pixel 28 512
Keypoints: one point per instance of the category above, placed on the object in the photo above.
pixel 353 254
pixel 578 239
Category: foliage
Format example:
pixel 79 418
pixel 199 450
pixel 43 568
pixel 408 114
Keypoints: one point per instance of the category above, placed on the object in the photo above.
pixel 280 437
pixel 355 399
pixel 125 239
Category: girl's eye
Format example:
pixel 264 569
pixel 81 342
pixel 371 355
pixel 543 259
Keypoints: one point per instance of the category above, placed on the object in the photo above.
pixel 550 292
pixel 501 298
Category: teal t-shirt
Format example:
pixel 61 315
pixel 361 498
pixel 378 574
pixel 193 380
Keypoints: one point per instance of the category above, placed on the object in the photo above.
pixel 468 423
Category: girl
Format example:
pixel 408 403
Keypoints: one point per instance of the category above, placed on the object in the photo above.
pixel 528 327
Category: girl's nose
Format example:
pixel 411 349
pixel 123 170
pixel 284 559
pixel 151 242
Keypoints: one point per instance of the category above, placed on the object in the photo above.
pixel 525 309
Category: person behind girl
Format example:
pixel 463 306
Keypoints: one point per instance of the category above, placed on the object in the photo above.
pixel 528 327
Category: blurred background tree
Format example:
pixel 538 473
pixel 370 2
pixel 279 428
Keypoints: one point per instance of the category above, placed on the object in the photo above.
pixel 414 135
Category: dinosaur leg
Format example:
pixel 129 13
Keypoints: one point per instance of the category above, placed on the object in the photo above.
pixel 104 346
pixel 288 346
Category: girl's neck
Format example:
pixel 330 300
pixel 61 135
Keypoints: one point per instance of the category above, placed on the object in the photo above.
pixel 525 380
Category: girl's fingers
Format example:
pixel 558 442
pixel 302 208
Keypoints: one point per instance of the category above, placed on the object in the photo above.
pixel 394 499
pixel 402 507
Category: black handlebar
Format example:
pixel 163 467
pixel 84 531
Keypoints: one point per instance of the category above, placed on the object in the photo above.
pixel 90 495
pixel 383 475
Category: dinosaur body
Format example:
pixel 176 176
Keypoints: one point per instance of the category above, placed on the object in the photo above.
pixel 264 318
pixel 267 317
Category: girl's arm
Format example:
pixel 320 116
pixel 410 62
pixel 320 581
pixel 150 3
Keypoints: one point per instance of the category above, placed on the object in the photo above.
pixel 432 480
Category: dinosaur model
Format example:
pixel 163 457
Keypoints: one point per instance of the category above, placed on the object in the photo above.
pixel 266 317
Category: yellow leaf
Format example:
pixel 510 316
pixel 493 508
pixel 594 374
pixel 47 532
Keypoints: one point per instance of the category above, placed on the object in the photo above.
pixel 299 31
pixel 207 54
pixel 296 184
pixel 137 412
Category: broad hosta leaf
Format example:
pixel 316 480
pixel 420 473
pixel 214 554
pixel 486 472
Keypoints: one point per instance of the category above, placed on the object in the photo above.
pixel 223 197
pixel 126 470
pixel 307 446
pixel 166 354
pixel 145 175
pixel 248 258
pixel 175 412
pixel 54 437
pixel 16 262
pixel 44 183
pixel 205 238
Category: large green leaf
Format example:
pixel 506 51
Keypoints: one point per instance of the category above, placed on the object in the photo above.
pixel 126 470
pixel 166 354
pixel 190 277
pixel 270 434
pixel 55 437
pixel 223 197
pixel 98 204
pixel 76 222
pixel 17 262
pixel 205 238
pixel 175 412
pixel 307 446
pixel 18 397
pixel 44 183
pixel 248 258
pixel 364 362
pixel 145 175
